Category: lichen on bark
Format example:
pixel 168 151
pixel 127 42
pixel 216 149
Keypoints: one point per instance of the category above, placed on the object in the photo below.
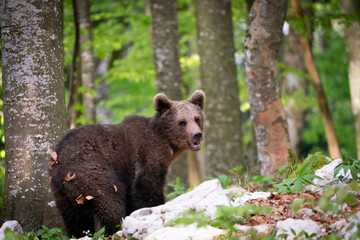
pixel 34 106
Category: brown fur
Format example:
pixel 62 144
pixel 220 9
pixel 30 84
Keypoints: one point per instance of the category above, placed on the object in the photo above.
pixel 121 168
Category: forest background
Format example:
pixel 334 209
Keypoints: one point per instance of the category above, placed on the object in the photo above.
pixel 125 76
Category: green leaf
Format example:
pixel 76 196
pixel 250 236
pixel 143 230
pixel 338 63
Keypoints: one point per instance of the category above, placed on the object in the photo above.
pixel 354 173
pixel 305 169
pixel 296 205
pixel 298 186
pixel 337 169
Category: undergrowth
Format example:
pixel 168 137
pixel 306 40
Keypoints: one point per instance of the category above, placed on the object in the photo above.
pixel 293 179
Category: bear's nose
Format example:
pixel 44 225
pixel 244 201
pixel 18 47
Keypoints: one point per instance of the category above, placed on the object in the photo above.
pixel 198 136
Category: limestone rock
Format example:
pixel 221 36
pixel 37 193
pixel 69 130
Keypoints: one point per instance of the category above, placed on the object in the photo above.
pixel 185 233
pixel 206 197
pixel 309 226
pixel 345 233
pixel 327 173
pixel 13 225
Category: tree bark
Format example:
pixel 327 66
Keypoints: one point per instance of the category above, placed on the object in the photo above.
pixel 352 37
pixel 262 46
pixel 223 133
pixel 165 41
pixel 291 83
pixel 326 117
pixel 75 75
pixel 34 107
pixel 87 59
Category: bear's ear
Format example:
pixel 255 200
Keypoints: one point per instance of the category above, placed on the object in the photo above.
pixel 161 103
pixel 198 98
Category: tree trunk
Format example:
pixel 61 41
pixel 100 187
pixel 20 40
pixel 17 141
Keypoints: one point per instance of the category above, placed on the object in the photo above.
pixel 75 76
pixel 319 91
pixel 166 48
pixel 262 46
pixel 164 31
pixel 352 37
pixel 292 83
pixel 34 107
pixel 87 59
pixel 252 164
pixel 223 134
pixel 193 168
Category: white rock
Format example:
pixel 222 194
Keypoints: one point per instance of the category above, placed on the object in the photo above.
pixel 13 225
pixel 309 226
pixel 246 196
pixel 83 238
pixel 327 173
pixel 185 233
pixel 206 197
pixel 259 228
pixel 306 211
pixel 355 221
pixel 338 225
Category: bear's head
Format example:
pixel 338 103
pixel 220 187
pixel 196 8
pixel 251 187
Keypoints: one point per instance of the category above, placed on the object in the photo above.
pixel 181 122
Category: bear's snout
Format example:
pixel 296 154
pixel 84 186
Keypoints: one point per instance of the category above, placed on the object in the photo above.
pixel 198 136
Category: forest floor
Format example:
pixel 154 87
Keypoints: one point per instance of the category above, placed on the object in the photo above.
pixel 282 209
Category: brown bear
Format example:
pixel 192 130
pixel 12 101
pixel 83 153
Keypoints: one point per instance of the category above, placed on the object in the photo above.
pixel 101 173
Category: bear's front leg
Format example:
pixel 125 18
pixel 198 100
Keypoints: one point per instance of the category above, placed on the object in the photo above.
pixel 146 191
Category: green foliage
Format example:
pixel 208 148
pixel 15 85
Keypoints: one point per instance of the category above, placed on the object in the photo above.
pixel 296 205
pixel 348 164
pixel 235 174
pixel 178 189
pixel 189 217
pixel 342 195
pixel 303 234
pixel 295 184
pixel 332 66
pixel 53 234
pixel 315 161
pixel 262 179
pixel 44 233
pixel 226 217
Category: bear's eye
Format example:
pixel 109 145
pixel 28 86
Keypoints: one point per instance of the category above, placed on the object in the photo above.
pixel 197 120
pixel 182 123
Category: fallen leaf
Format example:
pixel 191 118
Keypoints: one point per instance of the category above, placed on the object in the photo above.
pixel 115 188
pixel 53 155
pixel 69 177
pixel 80 199
pixel 88 197
pixel 49 179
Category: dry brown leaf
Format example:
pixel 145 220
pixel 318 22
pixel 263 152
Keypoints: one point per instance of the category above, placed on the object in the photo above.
pixel 53 155
pixel 115 188
pixel 70 177
pixel 88 197
pixel 80 199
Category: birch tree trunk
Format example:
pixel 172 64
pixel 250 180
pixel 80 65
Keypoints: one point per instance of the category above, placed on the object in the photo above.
pixel 165 41
pixel 352 37
pixel 223 133
pixel 87 59
pixel 326 117
pixel 262 46
pixel 34 106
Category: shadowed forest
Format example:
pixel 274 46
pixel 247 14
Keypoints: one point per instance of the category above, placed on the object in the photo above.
pixel 282 82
